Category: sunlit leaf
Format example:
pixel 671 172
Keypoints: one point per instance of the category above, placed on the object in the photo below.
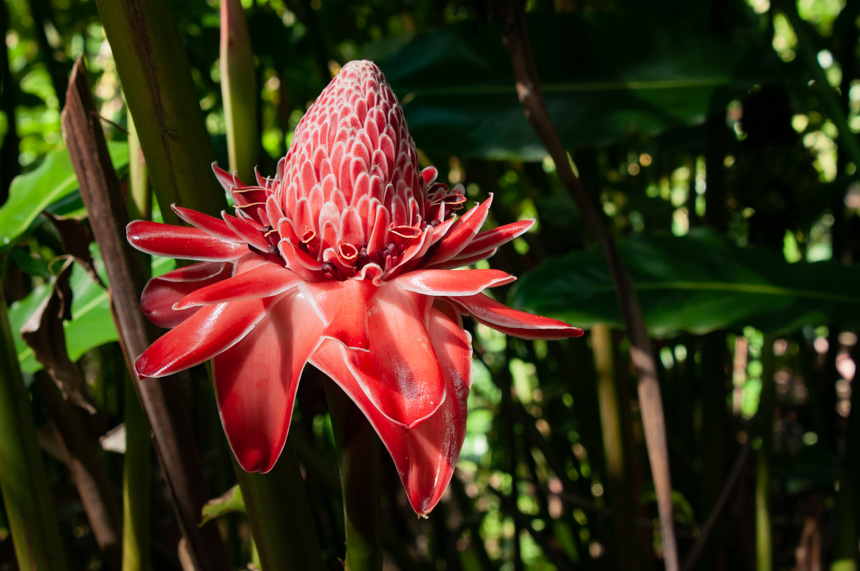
pixel 33 192
pixel 91 324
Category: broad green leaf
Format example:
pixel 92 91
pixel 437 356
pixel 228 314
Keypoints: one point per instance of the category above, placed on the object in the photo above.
pixel 697 283
pixel 604 77
pixel 33 192
pixel 91 324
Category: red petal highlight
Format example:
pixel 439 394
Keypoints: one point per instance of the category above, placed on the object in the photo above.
pixel 511 321
pixel 462 233
pixel 181 242
pixel 399 373
pixel 265 280
pixel 342 307
pixel 200 337
pixel 159 295
pixel 256 382
pixel 227 180
pixel 425 455
pixel 452 282
pixel 209 224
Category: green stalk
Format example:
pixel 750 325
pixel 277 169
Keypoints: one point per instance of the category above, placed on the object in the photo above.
pixel 763 532
pixel 139 197
pixel 156 79
pixel 137 466
pixel 359 448
pixel 239 89
pixel 618 478
pixel 23 482
pixel 280 516
pixel 137 463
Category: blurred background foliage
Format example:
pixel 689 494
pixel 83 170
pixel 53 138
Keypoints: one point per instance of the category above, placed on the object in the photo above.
pixel 720 139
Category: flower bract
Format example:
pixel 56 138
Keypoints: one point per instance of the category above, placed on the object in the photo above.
pixel 344 259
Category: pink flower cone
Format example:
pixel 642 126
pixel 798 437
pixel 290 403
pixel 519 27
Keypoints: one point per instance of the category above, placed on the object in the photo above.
pixel 343 260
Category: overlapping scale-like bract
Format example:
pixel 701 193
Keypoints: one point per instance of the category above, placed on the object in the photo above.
pixel 342 259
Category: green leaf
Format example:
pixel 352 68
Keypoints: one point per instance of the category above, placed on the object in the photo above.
pixel 91 324
pixel 231 501
pixel 33 192
pixel 604 77
pixel 697 283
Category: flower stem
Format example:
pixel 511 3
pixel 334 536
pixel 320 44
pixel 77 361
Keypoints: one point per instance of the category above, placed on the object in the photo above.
pixel 280 515
pixel 26 495
pixel 135 484
pixel 359 449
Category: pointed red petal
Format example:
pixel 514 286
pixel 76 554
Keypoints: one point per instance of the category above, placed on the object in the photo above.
pixel 265 280
pixel 452 282
pixel 460 262
pixel 342 307
pixel 227 180
pixel 159 295
pixel 425 455
pixel 462 233
pixel 200 337
pixel 256 381
pixel 247 231
pixel 181 242
pixel 209 224
pixel 399 373
pixel 511 321
pixel 487 242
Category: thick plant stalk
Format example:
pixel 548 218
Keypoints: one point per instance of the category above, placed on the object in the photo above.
pixel 26 495
pixel 763 530
pixel 137 462
pixel 359 449
pixel 176 451
pixel 159 90
pixel 516 39
pixel 136 484
pixel 139 195
pixel 280 516
pixel 622 495
pixel 239 90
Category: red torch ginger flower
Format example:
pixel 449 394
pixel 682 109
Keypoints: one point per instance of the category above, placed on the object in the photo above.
pixel 343 260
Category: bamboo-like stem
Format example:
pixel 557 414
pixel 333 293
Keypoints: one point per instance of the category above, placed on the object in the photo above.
pixel 24 485
pixel 516 39
pixel 239 89
pixel 161 402
pixel 280 516
pixel 621 493
pixel 136 484
pixel 139 196
pixel 137 462
pixel 157 83
pixel 763 531
pixel 359 449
